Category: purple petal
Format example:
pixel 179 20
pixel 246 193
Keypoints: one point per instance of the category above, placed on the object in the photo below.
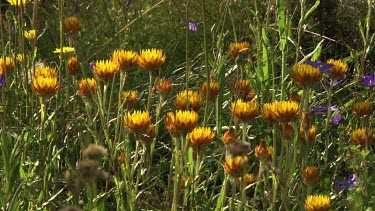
pixel 2 80
pixel 326 71
pixel 337 120
pixel 193 27
pixel 92 65
pixel 127 5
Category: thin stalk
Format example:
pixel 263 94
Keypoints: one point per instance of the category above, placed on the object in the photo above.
pixel 329 98
pixel 275 183
pixel 187 45
pixel 206 108
pixel 243 193
pixel 234 190
pixel 150 91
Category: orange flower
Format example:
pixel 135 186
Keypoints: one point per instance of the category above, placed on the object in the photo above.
pixel 164 87
pixel 241 48
pixel 71 25
pixel 361 137
pixel 229 136
pixel 138 121
pixel 87 87
pixel 106 69
pixel 7 64
pixel 74 66
pixel 245 111
pixel 317 203
pixel 45 72
pixel 193 99
pixel 182 122
pixel 287 130
pixel 362 109
pixel 311 134
pixel 338 70
pixel 281 111
pixel 236 167
pixel 263 152
pixel 214 90
pixel 305 75
pixel 201 137
pixel 149 135
pixel 126 59
pixel 311 175
pixel 45 87
pixel 130 98
pixel 249 179
pixel 241 88
pixel 151 59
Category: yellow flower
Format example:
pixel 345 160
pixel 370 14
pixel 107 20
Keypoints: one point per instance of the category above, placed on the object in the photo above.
pixel 194 100
pixel 214 90
pixel 65 50
pixel 126 59
pixel 249 179
pixel 263 152
pixel 201 137
pixel 45 87
pixel 71 25
pixel 87 87
pixel 151 59
pixel 130 98
pixel 361 109
pixel 7 64
pixel 311 134
pixel 281 111
pixel 317 203
pixel 361 137
pixel 148 136
pixel 164 87
pixel 106 69
pixel 45 71
pixel 229 136
pixel 138 121
pixel 245 111
pixel 237 166
pixel 241 48
pixel 305 75
pixel 269 112
pixel 181 122
pixel 18 2
pixel 169 122
pixel 311 175
pixel 30 35
pixel 73 66
pixel 339 69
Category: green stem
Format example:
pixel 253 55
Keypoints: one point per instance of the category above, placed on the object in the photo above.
pixel 150 91
pixel 206 111
pixel 329 98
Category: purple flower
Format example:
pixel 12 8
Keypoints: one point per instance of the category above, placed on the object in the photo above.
pixel 368 80
pixel 2 80
pixel 324 67
pixel 127 5
pixel 327 82
pixel 348 183
pixel 337 120
pixel 92 64
pixel 193 27
pixel 320 110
